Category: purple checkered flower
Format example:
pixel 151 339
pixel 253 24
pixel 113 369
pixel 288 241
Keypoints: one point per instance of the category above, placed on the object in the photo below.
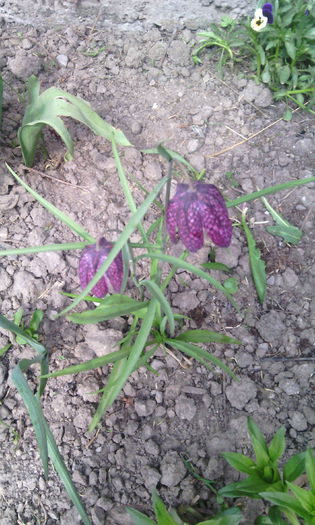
pixel 92 259
pixel 193 210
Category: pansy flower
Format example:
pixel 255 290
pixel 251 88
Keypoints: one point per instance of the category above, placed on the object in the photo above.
pixel 262 17
pixel 193 210
pixel 92 259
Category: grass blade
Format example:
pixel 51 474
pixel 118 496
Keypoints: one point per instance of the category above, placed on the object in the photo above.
pixel 200 355
pixel 158 294
pixel 139 518
pixel 33 407
pixel 268 191
pixel 46 248
pixel 64 475
pixel 257 265
pixel 290 234
pixel 179 263
pixel 74 226
pixel 206 336
pixel 122 239
pixel 124 368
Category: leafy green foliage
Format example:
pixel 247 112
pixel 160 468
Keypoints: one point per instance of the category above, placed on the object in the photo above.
pixel 47 108
pixel 282 54
pixel 32 329
pixel 265 480
pixel 231 516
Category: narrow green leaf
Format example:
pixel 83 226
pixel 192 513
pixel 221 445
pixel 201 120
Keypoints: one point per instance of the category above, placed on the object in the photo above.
pixel 294 467
pixel 123 238
pixel 251 487
pixel 33 407
pixel 276 447
pixel 257 265
pixel 231 516
pixel 74 226
pixel 46 248
pixel 162 515
pixel 92 364
pixel 286 501
pixel 4 349
pixel 206 336
pixel 200 355
pixel 125 367
pixel 258 442
pixel 310 469
pixel 173 155
pixel 268 191
pixel 64 475
pixel 179 263
pixel 240 462
pixel 158 294
pixel 139 518
pixel 216 266
pixel 304 497
pixel 106 312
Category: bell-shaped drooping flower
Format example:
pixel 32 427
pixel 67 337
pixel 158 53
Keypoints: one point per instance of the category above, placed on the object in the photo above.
pixel 92 259
pixel 262 17
pixel 195 209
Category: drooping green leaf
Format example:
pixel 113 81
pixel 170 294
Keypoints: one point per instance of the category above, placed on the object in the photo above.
pixel 47 108
pixel 257 265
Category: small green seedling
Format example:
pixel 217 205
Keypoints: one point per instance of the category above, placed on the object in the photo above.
pixel 32 329
pixel 163 516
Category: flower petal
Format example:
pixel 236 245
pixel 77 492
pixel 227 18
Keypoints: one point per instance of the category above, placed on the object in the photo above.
pixel 215 218
pixel 90 261
pixel 171 219
pixel 115 273
pixel 190 223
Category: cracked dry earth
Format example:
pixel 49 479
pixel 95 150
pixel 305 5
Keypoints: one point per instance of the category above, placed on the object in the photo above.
pixel 144 82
